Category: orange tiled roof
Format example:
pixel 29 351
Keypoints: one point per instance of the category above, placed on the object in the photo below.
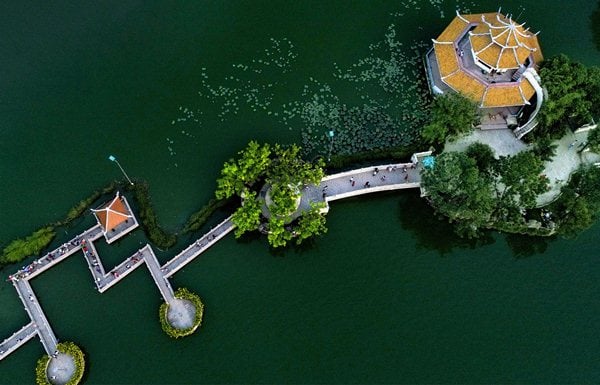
pixel 491 41
pixel 446 58
pixel 501 43
pixel 113 214
pixel 465 84
pixel 508 94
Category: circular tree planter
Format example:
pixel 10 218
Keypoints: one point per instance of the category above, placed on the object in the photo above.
pixel 183 315
pixel 65 367
pixel 268 202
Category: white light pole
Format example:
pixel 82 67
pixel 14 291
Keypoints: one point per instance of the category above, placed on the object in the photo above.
pixel 113 159
pixel 331 134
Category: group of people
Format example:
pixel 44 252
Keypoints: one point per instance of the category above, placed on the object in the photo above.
pixel 383 178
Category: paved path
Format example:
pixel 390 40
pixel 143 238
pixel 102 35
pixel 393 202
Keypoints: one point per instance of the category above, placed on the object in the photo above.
pixel 385 177
pixel 159 279
pixel 198 247
pixel 18 339
pixel 36 314
pixel 503 142
pixel 568 158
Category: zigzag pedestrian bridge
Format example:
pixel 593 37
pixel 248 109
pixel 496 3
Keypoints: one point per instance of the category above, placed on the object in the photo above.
pixel 115 219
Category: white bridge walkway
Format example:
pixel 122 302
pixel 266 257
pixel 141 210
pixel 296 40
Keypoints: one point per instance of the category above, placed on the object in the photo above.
pixel 333 187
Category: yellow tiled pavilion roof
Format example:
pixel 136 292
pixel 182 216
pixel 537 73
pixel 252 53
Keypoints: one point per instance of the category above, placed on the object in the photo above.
pixel 501 43
pixel 497 41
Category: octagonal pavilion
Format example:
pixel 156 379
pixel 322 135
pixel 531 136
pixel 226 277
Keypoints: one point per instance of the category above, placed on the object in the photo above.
pixel 491 59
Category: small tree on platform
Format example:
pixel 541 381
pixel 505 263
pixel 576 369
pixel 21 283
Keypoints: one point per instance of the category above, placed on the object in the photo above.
pixel 285 172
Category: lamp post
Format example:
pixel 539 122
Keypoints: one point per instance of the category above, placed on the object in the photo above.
pixel 331 135
pixel 113 159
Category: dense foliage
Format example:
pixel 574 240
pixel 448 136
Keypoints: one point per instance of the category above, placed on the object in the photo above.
pixel 593 140
pixel 452 115
pixel 283 173
pixel 578 206
pixel 22 248
pixel 458 190
pixel 573 96
pixel 247 217
pixel 243 172
pixel 41 376
pixel 311 223
pixel 476 191
pixel 185 294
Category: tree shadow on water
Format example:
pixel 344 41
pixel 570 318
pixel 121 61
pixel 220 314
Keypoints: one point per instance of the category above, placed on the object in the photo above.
pixel 525 246
pixel 431 232
pixel 595 25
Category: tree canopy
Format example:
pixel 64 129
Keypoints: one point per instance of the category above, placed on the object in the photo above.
pixel 475 190
pixel 284 173
pixel 458 190
pixel 452 114
pixel 573 96
pixel 579 203
pixel 247 169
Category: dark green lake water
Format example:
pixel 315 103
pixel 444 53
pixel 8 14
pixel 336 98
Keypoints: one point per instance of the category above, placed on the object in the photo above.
pixel 387 295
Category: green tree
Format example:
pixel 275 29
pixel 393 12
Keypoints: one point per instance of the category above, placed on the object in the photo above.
pixel 452 114
pixel 519 182
pixel 247 217
pixel 288 167
pixel 571 213
pixel 253 162
pixel 572 90
pixel 545 148
pixel 311 223
pixel 593 140
pixel 457 190
pixel 483 156
pixel 278 235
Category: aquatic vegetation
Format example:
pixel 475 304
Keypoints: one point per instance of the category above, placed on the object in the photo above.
pixel 244 88
pixel 21 248
pixel 395 105
pixel 148 218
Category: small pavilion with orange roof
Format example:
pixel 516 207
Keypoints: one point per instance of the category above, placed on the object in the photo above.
pixel 491 59
pixel 115 218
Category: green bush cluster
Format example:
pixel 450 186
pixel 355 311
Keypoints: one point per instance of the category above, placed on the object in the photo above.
pixel 21 248
pixel 41 374
pixel 182 293
pixel 148 218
